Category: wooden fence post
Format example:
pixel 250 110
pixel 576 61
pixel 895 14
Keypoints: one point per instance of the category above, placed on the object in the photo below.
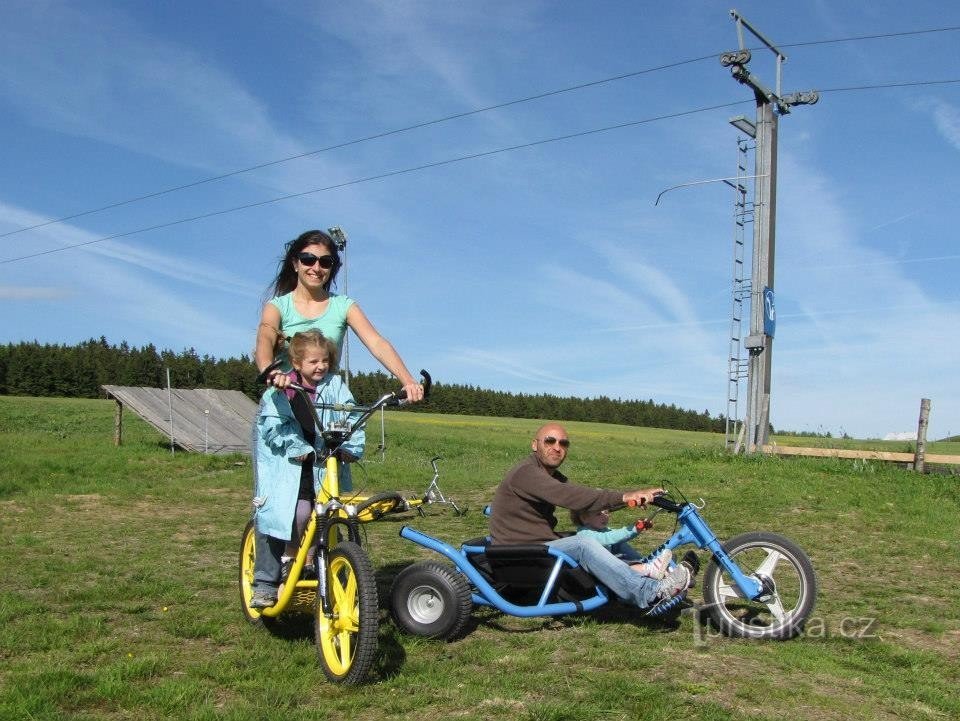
pixel 922 434
pixel 118 424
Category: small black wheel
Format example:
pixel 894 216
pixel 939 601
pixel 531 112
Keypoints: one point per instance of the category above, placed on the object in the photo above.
pixel 347 638
pixel 788 579
pixel 432 600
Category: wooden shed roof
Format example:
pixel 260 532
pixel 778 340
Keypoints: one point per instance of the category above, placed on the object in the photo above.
pixel 204 420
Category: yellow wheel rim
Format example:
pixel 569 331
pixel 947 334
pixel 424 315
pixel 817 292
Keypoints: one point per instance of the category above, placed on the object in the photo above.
pixel 338 631
pixel 248 557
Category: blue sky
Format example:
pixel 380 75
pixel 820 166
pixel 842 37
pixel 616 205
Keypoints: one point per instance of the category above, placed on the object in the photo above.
pixel 545 269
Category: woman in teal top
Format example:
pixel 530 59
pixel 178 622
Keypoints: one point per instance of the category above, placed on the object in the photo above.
pixel 302 300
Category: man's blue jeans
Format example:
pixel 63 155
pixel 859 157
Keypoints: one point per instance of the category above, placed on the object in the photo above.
pixel 613 573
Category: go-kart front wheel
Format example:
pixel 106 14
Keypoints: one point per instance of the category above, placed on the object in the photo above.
pixel 347 637
pixel 787 576
pixel 432 600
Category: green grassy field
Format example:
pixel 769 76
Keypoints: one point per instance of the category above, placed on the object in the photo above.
pixel 119 598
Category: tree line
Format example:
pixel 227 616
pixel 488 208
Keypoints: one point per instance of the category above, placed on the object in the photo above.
pixel 32 369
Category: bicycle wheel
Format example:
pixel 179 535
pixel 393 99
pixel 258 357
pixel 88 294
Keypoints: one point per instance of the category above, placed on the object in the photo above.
pixel 248 556
pixel 347 638
pixel 788 579
pixel 432 600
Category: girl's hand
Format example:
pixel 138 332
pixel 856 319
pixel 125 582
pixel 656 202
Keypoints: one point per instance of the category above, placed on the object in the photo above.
pixel 278 379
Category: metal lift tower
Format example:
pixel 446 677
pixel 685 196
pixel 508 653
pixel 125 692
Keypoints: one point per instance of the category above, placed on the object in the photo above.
pixel 759 343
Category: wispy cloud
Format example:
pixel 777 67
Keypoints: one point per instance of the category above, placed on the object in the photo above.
pixel 946 119
pixel 169 266
pixel 95 73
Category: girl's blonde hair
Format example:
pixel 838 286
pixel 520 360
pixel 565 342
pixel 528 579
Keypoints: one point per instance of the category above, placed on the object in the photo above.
pixel 312 339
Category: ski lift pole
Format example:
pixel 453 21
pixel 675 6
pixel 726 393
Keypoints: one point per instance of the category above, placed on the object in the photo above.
pixel 340 240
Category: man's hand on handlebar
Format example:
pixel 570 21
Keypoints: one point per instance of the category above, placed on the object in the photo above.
pixel 642 497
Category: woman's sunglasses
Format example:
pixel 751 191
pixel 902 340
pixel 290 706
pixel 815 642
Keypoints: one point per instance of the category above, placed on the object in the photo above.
pixel 326 261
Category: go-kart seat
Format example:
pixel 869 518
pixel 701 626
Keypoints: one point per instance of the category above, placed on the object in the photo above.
pixel 520 572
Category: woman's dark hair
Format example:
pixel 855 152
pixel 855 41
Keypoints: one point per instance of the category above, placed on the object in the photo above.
pixel 286 279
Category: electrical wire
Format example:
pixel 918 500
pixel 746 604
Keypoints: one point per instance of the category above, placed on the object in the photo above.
pixel 448 161
pixel 448 118
pixel 381 176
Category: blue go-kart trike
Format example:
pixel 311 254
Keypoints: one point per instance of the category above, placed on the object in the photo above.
pixel 756 585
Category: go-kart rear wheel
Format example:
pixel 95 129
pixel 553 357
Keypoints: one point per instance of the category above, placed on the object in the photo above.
pixel 787 576
pixel 432 600
pixel 347 638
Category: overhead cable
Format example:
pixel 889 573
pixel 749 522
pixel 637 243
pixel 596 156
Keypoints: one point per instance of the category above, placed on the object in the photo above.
pixel 455 116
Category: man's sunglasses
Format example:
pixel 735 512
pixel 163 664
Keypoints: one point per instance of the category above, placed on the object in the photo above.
pixel 326 261
pixel 550 440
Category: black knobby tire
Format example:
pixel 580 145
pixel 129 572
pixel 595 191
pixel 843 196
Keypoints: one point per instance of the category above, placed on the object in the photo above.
pixel 432 600
pixel 347 639
pixel 787 573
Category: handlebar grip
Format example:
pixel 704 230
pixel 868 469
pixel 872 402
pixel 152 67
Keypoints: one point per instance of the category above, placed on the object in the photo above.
pixel 427 383
pixel 265 373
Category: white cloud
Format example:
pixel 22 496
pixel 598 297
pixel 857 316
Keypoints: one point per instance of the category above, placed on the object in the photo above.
pixel 946 119
pixel 97 74
pixel 169 266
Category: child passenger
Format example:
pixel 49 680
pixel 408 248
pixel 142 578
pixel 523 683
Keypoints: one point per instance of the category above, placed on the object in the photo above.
pixel 288 441
pixel 594 525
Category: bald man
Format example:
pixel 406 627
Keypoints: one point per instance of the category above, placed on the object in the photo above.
pixel 523 512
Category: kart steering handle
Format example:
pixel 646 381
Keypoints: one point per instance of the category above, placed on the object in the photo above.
pixel 661 500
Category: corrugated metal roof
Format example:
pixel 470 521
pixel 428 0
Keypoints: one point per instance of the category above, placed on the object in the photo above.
pixel 204 420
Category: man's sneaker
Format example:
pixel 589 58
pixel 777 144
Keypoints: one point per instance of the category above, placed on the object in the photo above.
pixel 691 561
pixel 660 565
pixel 263 598
pixel 676 581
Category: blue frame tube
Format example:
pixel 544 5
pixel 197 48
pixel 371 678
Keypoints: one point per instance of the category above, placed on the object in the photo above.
pixel 694 530
pixel 488 596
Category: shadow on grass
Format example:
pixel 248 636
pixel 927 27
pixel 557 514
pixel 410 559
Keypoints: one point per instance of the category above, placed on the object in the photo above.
pixel 289 626
pixel 613 612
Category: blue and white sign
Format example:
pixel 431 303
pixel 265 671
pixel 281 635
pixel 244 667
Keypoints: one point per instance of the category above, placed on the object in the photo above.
pixel 769 313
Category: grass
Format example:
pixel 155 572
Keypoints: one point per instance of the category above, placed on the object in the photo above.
pixel 120 599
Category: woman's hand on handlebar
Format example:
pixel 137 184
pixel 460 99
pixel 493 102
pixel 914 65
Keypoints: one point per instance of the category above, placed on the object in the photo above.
pixel 412 392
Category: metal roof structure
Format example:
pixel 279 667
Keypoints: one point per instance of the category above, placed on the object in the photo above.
pixel 204 420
